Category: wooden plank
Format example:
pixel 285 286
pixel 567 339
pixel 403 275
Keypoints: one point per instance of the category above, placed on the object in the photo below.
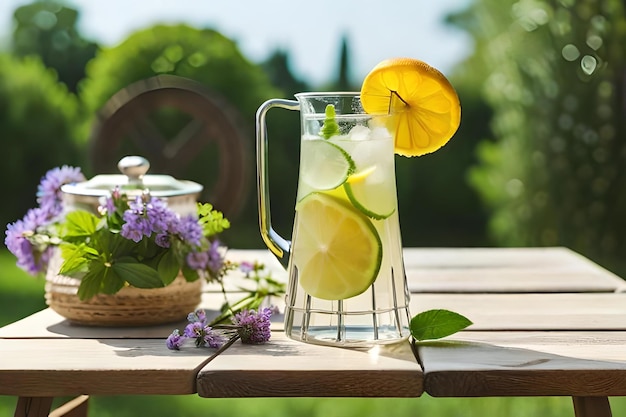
pixel 480 270
pixel 48 324
pixel 288 368
pixel 69 367
pixel 531 311
pixel 526 270
pixel 484 364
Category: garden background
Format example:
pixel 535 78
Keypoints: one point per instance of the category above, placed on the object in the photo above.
pixel 539 159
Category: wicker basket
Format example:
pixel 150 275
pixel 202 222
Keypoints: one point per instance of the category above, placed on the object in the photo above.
pixel 129 307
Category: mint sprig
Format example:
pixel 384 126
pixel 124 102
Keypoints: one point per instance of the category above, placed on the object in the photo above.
pixel 330 127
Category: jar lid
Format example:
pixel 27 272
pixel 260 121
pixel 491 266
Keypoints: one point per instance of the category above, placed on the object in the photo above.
pixel 133 181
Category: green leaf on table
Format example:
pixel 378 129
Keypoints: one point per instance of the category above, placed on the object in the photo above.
pixel 137 274
pixel 435 324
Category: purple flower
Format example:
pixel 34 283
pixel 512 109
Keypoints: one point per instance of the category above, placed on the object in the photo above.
pixel 216 260
pixel 147 215
pixel 189 230
pixel 212 339
pixel 109 207
pixel 246 267
pixel 197 260
pixel 135 226
pixel 254 327
pixel 175 341
pixel 211 260
pixel 160 217
pixel 49 189
pixel 32 251
pixel 203 334
pixel 197 316
pixel 163 240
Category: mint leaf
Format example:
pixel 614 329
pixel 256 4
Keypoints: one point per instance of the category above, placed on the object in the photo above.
pixel 435 324
pixel 137 274
pixel 330 127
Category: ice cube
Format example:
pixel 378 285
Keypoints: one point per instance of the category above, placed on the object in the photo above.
pixel 379 133
pixel 359 133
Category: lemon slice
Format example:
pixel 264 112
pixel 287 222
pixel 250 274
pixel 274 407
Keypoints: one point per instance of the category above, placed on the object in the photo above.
pixel 337 251
pixel 324 166
pixel 427 106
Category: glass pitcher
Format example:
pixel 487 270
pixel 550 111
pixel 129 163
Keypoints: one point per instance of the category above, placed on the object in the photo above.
pixel 347 284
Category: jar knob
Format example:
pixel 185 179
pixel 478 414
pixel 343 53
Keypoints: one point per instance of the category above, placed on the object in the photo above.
pixel 134 167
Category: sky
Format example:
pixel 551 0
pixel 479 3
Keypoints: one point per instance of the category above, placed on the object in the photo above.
pixel 310 32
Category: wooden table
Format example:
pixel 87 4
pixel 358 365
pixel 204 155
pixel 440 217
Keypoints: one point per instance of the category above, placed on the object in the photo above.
pixel 547 322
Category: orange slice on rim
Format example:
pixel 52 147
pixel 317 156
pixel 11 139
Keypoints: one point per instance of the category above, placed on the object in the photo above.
pixel 427 106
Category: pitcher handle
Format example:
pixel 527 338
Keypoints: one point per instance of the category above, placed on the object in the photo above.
pixel 278 245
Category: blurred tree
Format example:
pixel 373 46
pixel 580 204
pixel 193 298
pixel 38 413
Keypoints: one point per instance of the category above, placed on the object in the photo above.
pixel 343 80
pixel 48 29
pixel 553 73
pixel 37 118
pixel 279 71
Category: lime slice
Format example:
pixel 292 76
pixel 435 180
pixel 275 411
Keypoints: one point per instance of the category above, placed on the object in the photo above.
pixel 372 193
pixel 324 166
pixel 337 250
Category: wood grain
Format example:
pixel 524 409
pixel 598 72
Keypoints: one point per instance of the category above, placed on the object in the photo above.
pixel 495 270
pixel 483 364
pixel 601 311
pixel 287 368
pixel 64 367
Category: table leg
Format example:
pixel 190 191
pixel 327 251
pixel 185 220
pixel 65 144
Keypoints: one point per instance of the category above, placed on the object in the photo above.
pixel 33 406
pixel 592 407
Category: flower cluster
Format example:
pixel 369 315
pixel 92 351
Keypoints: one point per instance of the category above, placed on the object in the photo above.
pixel 251 327
pixel 28 239
pixel 136 240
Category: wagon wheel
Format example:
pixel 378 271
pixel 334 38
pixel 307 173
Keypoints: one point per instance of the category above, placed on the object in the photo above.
pixel 183 129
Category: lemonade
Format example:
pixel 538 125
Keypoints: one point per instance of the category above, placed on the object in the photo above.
pixel 346 253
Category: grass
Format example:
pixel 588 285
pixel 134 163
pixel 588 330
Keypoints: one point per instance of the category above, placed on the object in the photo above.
pixel 21 295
